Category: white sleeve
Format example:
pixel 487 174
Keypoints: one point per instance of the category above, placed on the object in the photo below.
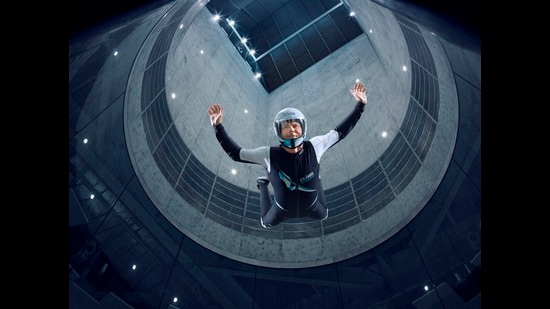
pixel 258 155
pixel 323 142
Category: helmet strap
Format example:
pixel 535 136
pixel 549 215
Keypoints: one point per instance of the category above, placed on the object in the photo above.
pixel 291 143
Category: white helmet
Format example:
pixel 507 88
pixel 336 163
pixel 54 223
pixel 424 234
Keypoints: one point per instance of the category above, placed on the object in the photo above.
pixel 285 115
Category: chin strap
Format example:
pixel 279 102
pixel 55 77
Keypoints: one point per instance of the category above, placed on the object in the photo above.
pixel 292 143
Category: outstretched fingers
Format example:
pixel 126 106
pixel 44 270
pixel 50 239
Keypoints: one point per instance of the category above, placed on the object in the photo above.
pixel 359 92
pixel 215 112
pixel 360 87
pixel 214 109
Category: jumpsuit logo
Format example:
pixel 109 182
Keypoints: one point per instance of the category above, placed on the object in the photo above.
pixel 291 185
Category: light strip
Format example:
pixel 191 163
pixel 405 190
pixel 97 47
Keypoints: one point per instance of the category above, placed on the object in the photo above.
pixel 240 38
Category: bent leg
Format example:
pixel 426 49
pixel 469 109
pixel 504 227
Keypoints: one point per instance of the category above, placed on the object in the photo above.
pixel 319 211
pixel 274 216
pixel 270 214
pixel 265 198
pixel 265 202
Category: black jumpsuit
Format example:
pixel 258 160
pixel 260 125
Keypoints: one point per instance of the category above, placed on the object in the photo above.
pixel 297 187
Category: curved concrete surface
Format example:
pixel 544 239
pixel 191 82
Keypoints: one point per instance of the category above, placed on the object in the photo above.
pixel 375 184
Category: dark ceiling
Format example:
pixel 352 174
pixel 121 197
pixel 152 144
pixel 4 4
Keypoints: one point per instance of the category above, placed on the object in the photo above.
pixel 288 36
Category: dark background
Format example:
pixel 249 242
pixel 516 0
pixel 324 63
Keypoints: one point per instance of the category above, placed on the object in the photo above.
pixel 85 14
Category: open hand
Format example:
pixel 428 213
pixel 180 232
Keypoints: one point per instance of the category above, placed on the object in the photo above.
pixel 216 114
pixel 359 92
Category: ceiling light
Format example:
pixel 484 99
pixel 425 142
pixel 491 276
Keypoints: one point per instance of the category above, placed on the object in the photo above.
pixel 85 141
pixel 244 40
pixel 352 13
pixel 258 75
pixel 404 68
pixel 234 171
pixel 216 17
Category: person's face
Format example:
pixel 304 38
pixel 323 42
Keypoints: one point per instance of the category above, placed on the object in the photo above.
pixel 291 129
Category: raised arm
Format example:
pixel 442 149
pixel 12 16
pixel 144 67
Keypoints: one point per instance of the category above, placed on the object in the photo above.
pixel 228 144
pixel 359 93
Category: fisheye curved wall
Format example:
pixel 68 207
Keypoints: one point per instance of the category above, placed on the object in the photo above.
pixel 375 184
